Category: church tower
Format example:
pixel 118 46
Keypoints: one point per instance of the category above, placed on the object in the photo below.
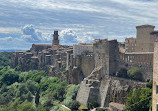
pixel 55 38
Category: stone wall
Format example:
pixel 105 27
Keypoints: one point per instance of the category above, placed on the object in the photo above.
pixel 78 49
pixel 106 55
pixel 130 44
pixel 87 64
pixel 155 80
pixel 142 60
pixel 39 47
pixel 120 87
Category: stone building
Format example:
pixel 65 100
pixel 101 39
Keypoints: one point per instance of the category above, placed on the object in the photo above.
pixel 55 38
pixel 122 47
pixel 145 40
pixel 155 80
pixel 101 85
pixel 130 44
pixel 78 49
pixel 142 60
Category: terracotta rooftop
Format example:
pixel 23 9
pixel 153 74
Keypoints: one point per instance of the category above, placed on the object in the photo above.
pixel 20 51
pixel 87 44
pixel 42 44
pixel 28 52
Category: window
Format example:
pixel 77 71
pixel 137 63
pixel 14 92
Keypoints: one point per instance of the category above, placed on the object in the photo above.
pixel 156 89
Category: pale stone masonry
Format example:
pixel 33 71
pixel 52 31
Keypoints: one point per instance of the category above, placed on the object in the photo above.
pixel 130 44
pixel 78 49
pixel 144 40
pixel 155 79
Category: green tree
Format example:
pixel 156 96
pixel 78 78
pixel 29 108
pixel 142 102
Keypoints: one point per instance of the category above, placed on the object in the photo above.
pixel 122 73
pixel 9 77
pixel 139 100
pixel 74 105
pixel 149 84
pixel 26 106
pixel 135 74
pixel 5 58
pixel 71 94
pixel 54 87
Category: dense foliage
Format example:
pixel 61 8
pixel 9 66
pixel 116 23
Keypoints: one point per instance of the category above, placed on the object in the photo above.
pixel 34 90
pixel 134 73
pixel 5 58
pixel 139 100
pixel 122 73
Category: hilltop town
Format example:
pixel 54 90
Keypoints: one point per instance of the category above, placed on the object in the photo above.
pixel 95 65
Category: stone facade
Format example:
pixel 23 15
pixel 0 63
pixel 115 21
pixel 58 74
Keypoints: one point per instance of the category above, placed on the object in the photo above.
pixel 106 55
pixel 78 49
pixel 130 44
pixel 122 47
pixel 144 40
pixel 155 80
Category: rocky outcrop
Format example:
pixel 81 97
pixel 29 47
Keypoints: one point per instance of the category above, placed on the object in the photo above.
pixel 112 89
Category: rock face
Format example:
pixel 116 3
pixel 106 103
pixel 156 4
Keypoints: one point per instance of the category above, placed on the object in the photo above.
pixel 106 91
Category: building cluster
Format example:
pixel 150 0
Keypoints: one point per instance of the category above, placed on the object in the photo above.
pixel 95 64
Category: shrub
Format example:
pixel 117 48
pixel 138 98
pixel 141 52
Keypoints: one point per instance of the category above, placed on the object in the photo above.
pixel 101 109
pixel 139 99
pixel 71 94
pixel 135 73
pixel 149 84
pixel 92 105
pixel 74 105
pixel 122 73
pixel 9 77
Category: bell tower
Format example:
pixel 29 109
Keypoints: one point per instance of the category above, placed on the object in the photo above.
pixel 55 38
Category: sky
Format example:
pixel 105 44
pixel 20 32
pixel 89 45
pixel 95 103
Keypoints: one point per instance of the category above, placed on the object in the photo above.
pixel 24 22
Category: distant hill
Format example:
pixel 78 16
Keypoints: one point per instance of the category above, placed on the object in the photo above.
pixel 11 50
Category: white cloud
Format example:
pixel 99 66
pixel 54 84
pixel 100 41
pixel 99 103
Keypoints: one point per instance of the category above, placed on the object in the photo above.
pixel 68 36
pixel 31 35
pixel 9 30
pixel 76 20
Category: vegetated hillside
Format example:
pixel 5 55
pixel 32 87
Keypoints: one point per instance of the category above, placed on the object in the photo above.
pixel 5 58
pixel 34 90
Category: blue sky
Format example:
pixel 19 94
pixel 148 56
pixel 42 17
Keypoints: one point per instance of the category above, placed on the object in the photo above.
pixel 23 22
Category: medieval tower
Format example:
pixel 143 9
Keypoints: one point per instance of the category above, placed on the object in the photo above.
pixel 144 40
pixel 55 38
